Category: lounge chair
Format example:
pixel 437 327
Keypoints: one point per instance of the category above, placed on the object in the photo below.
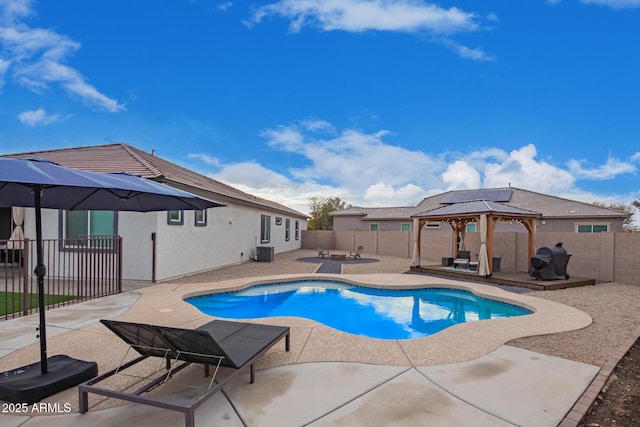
pixel 356 254
pixel 463 259
pixel 322 252
pixel 220 343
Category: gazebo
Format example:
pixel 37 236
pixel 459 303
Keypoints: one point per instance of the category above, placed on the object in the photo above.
pixel 487 214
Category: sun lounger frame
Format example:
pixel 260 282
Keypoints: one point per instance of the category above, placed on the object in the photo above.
pixel 169 351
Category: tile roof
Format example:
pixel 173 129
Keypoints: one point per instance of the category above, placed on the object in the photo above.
pixel 549 206
pixel 122 157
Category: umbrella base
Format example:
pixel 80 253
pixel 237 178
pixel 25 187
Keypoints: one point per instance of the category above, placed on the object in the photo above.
pixel 28 385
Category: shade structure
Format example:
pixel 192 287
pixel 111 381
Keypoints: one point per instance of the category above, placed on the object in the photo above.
pixel 74 189
pixel 41 184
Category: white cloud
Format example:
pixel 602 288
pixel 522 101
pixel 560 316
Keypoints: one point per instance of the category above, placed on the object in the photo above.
pixel 615 4
pixel 609 170
pixel 4 66
pixel 461 175
pixel 224 6
pixel 252 174
pixel 206 159
pixel 364 15
pixel 38 117
pixel 365 169
pixel 356 16
pixel 255 179
pixel 476 54
pixel 381 194
pixel 521 169
pixel 36 57
pixel 354 157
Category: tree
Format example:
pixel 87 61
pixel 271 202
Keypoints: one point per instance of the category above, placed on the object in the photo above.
pixel 620 207
pixel 320 208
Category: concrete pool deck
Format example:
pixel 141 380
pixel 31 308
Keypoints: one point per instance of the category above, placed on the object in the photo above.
pixel 463 375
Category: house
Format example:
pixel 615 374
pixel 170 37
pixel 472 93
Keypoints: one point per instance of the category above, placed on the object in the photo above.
pixel 159 246
pixel 557 214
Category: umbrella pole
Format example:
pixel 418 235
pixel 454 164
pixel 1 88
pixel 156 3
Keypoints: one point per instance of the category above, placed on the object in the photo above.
pixel 40 271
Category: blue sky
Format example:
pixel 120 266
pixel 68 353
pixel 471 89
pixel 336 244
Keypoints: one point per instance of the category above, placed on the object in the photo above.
pixel 378 102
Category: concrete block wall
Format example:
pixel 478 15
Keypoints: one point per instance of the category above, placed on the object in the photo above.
pixel 601 256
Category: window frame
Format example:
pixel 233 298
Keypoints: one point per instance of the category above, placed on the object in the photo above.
pixel 287 229
pixel 179 221
pixel 592 226
pixel 64 240
pixel 265 228
pixel 297 230
pixel 402 227
pixel 374 226
pixel 202 222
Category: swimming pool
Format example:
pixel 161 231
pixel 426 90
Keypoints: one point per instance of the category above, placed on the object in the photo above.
pixel 359 310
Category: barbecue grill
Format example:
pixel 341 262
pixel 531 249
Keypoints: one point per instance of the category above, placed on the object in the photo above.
pixel 550 263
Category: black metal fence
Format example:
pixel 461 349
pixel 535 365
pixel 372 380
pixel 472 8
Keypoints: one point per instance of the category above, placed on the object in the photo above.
pixel 78 270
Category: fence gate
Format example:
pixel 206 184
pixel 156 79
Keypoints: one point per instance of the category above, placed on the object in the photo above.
pixel 78 270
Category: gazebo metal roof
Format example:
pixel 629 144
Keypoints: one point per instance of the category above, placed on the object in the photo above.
pixel 476 208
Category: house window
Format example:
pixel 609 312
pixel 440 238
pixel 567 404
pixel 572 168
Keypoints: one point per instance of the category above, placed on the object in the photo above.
pixel 592 228
pixel 201 218
pixel 471 227
pixel 175 217
pixel 265 229
pixel 373 227
pixel 297 230
pixel 287 229
pixel 79 225
pixel 405 227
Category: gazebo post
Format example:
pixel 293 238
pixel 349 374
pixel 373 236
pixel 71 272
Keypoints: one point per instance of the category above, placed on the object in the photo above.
pixel 456 234
pixel 530 226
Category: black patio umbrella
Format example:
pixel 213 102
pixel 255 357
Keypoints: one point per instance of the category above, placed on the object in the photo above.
pixel 41 184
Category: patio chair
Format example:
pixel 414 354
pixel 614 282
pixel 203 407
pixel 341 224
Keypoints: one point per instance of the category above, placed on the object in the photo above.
pixel 219 343
pixel 463 259
pixel 322 252
pixel 356 254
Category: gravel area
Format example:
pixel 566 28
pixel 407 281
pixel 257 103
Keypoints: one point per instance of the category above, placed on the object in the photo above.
pixel 616 315
pixel 613 306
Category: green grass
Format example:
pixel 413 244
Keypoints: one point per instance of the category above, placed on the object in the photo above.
pixel 11 302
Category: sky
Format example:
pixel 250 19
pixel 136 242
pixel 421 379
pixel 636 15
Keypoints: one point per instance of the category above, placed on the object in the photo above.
pixel 378 102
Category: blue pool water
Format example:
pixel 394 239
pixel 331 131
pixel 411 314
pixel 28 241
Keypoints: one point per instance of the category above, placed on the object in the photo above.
pixel 375 313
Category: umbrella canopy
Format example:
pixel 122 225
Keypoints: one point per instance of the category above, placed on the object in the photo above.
pixel 42 184
pixel 74 189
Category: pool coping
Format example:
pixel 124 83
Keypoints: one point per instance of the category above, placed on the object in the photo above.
pixel 315 342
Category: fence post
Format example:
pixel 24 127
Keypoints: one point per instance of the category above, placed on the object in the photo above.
pixel 119 258
pixel 25 277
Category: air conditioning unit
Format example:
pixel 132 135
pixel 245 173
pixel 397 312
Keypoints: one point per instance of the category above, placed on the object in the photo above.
pixel 265 253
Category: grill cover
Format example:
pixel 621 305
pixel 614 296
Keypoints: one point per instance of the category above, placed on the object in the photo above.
pixel 550 263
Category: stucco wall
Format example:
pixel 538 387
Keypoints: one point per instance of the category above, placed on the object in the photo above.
pixel 231 234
